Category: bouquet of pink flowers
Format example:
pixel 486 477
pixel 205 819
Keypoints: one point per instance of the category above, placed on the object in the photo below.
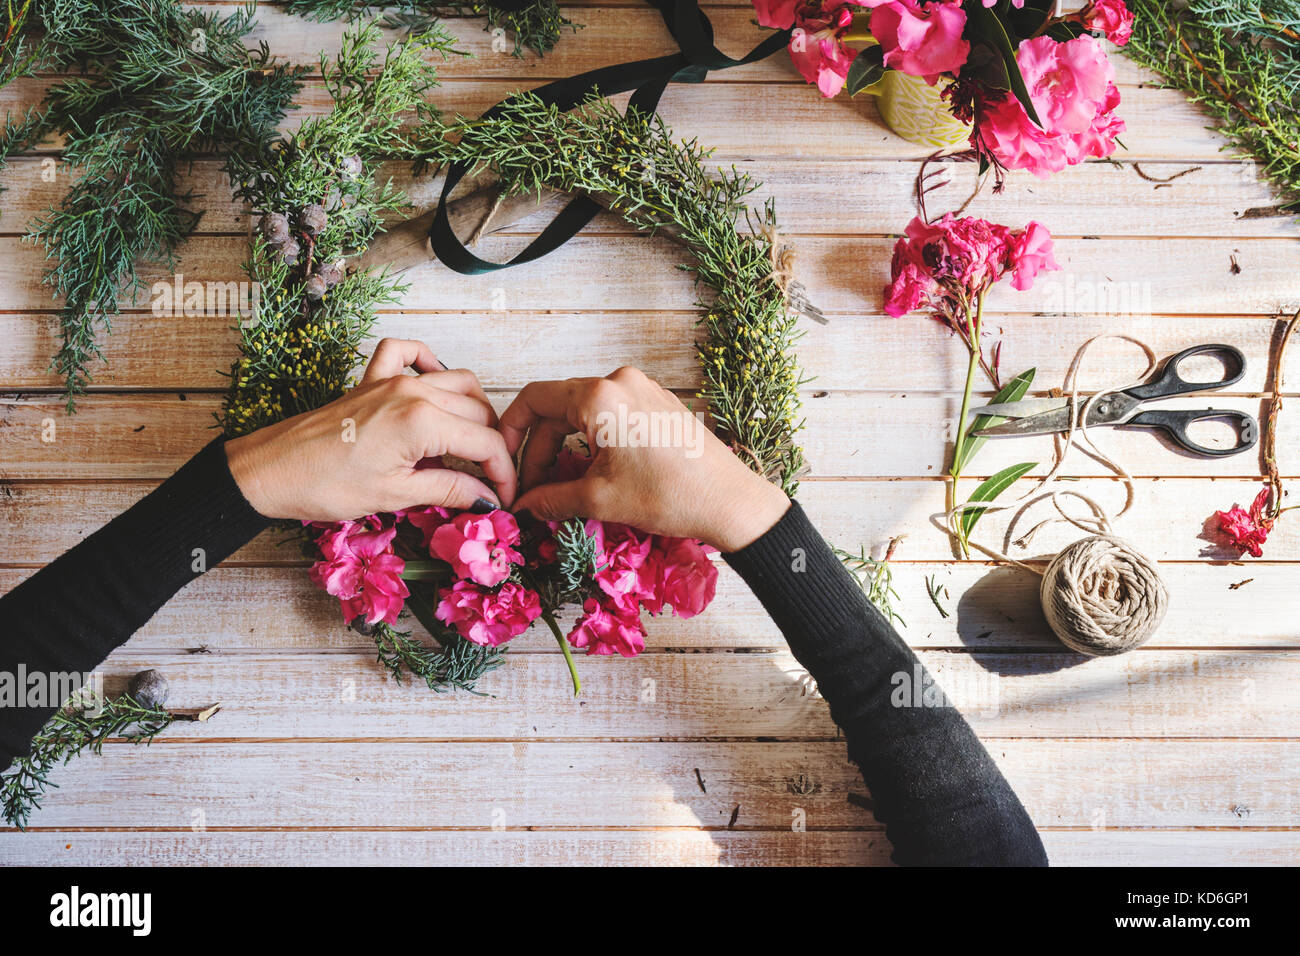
pixel 947 267
pixel 1036 89
pixel 484 578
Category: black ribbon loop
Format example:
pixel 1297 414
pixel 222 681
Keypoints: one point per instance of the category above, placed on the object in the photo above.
pixel 648 79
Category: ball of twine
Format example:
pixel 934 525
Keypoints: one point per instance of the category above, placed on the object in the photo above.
pixel 1101 597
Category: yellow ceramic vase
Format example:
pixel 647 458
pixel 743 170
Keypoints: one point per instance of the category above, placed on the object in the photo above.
pixel 915 111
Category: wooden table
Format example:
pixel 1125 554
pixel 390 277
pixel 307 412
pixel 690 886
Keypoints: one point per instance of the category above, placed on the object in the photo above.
pixel 712 747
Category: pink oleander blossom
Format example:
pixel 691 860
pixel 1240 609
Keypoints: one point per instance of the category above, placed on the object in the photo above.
pixel 688 580
pixel 488 617
pixel 427 520
pixel 920 38
pixel 359 568
pixel 607 628
pixel 629 569
pixel 777 14
pixel 1248 530
pixel 817 44
pixel 948 264
pixel 1110 17
pixel 1072 87
pixel 478 547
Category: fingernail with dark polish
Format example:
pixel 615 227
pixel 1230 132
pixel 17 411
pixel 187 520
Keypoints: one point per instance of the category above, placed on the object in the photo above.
pixel 482 506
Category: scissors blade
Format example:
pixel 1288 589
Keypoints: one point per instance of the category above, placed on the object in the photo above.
pixel 1022 409
pixel 1042 424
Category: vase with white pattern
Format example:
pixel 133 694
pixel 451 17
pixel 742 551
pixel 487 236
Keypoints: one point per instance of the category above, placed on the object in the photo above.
pixel 915 111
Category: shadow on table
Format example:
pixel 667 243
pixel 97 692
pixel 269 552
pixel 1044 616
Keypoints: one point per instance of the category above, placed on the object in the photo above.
pixel 1001 615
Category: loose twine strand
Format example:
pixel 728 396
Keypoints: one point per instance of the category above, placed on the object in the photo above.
pixel 1100 595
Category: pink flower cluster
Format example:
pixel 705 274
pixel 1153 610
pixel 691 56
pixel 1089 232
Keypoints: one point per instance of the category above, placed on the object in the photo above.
pixel 1248 530
pixel 1073 90
pixel 1110 17
pixel 359 568
pixel 639 570
pixel 636 571
pixel 958 259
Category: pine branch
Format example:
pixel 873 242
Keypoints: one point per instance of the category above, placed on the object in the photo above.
pixel 163 83
pixel 1240 61
pixel 74 729
pixel 536 27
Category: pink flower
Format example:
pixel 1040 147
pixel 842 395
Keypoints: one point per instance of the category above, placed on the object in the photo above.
pixel 428 520
pixel 1018 4
pixel 1031 253
pixel 1072 88
pixel 817 46
pixel 478 547
pixel 1248 530
pixel 687 578
pixel 359 568
pixel 1111 17
pixel 922 39
pixel 947 264
pixel 488 617
pixel 777 14
pixel 629 570
pixel 605 628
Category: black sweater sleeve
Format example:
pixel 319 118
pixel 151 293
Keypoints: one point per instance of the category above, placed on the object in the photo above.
pixel 933 785
pixel 68 616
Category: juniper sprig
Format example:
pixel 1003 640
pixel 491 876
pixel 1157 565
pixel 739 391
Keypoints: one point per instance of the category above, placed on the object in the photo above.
pixel 536 27
pixel 75 729
pixel 631 165
pixel 1240 61
pixel 162 83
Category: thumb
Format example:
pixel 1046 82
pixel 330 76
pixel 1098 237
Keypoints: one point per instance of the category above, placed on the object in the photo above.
pixel 448 488
pixel 556 501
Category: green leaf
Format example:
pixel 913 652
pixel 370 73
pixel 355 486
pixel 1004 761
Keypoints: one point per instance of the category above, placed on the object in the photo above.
pixel 991 30
pixel 1013 391
pixel 867 69
pixel 417 570
pixel 989 489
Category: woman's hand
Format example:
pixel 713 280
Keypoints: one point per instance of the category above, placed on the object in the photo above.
pixel 655 466
pixel 376 448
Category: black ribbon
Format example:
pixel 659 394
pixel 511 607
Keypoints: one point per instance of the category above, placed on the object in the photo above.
pixel 648 79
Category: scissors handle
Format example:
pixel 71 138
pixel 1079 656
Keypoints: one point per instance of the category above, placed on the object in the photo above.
pixel 1175 423
pixel 1169 382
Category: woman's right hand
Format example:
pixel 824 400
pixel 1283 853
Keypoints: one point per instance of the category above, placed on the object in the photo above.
pixel 672 477
pixel 376 448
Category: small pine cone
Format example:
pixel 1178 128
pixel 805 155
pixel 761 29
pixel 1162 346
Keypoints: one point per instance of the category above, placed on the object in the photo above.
pixel 149 689
pixel 361 627
pixel 274 227
pixel 332 273
pixel 290 250
pixel 351 167
pixel 312 219
pixel 315 287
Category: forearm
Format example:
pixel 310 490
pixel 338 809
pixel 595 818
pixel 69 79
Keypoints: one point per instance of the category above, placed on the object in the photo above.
pixel 67 617
pixel 934 787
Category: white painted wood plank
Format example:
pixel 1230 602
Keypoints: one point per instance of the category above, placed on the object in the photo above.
pixel 874 353
pixel 116 436
pixel 466 786
pixel 1147 693
pixel 611 848
pixel 1123 279
pixel 850 197
pixel 988 608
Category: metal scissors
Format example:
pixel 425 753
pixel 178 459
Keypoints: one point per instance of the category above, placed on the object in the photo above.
pixel 1039 416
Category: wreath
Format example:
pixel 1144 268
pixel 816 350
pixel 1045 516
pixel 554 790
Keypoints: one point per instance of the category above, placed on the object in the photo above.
pixel 320 208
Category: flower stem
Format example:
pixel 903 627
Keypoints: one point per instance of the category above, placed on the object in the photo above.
pixel 564 646
pixel 976 353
